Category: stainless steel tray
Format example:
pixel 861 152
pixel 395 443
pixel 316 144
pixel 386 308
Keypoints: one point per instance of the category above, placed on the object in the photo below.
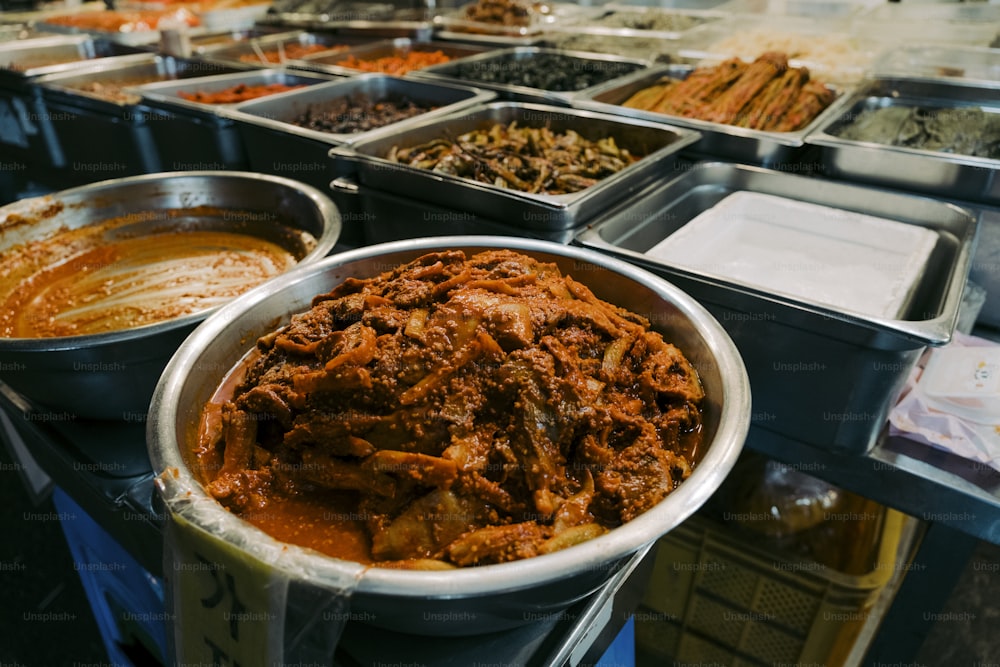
pixel 638 47
pixel 417 29
pixel 467 71
pixel 276 115
pixel 948 175
pixel 23 113
pixel 769 149
pixel 626 22
pixel 254 46
pixel 274 145
pixel 658 143
pixel 383 49
pixel 376 216
pixel 819 375
pixel 497 41
pixel 166 95
pixel 457 20
pixel 123 132
pixel 968 64
pixel 194 135
pixel 124 69
pixel 24 59
pixel 371 19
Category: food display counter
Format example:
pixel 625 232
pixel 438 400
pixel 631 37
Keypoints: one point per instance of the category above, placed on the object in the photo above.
pixel 678 166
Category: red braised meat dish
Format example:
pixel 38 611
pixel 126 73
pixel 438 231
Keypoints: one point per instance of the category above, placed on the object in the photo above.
pixel 452 411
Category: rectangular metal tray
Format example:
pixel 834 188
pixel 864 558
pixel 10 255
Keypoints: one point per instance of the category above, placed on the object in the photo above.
pixel 972 65
pixel 384 49
pixel 135 67
pixel 275 145
pixel 604 23
pixel 25 59
pixel 636 47
pixel 253 46
pixel 928 172
pixel 166 95
pixel 818 375
pixel 769 149
pixel 121 131
pixel 23 114
pixel 457 20
pixel 193 135
pixel 376 216
pixel 276 115
pixel 505 58
pixel 658 143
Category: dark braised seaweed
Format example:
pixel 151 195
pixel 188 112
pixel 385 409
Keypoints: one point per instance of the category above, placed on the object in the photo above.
pixel 555 72
pixel 357 113
pixel 960 130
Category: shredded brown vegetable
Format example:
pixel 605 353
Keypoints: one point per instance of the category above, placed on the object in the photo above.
pixel 455 411
pixel 527 159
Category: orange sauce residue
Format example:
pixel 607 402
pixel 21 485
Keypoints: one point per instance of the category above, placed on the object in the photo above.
pixel 80 282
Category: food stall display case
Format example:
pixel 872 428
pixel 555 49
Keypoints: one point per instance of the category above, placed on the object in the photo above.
pixel 803 358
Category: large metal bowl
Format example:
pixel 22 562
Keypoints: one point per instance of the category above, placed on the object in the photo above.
pixel 112 375
pixel 465 601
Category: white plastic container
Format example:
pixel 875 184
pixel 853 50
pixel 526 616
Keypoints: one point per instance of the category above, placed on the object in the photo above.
pixel 833 257
pixel 964 381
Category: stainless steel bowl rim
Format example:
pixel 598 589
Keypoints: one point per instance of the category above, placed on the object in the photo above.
pixel 598 553
pixel 324 205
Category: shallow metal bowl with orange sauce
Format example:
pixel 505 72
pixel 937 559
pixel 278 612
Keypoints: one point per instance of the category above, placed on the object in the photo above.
pixel 110 372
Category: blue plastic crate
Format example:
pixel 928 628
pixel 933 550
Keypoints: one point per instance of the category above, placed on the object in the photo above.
pixel 621 652
pixel 126 600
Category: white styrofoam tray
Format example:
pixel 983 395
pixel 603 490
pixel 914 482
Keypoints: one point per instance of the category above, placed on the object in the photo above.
pixel 828 256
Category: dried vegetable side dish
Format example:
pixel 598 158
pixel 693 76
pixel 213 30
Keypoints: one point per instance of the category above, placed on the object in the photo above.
pixel 238 93
pixel 766 95
pixel 528 159
pixel 100 278
pixel 357 113
pixel 395 64
pixel 452 411
pixel 968 131
pixel 291 51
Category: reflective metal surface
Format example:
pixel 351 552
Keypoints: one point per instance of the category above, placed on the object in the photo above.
pixel 107 375
pixel 472 600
